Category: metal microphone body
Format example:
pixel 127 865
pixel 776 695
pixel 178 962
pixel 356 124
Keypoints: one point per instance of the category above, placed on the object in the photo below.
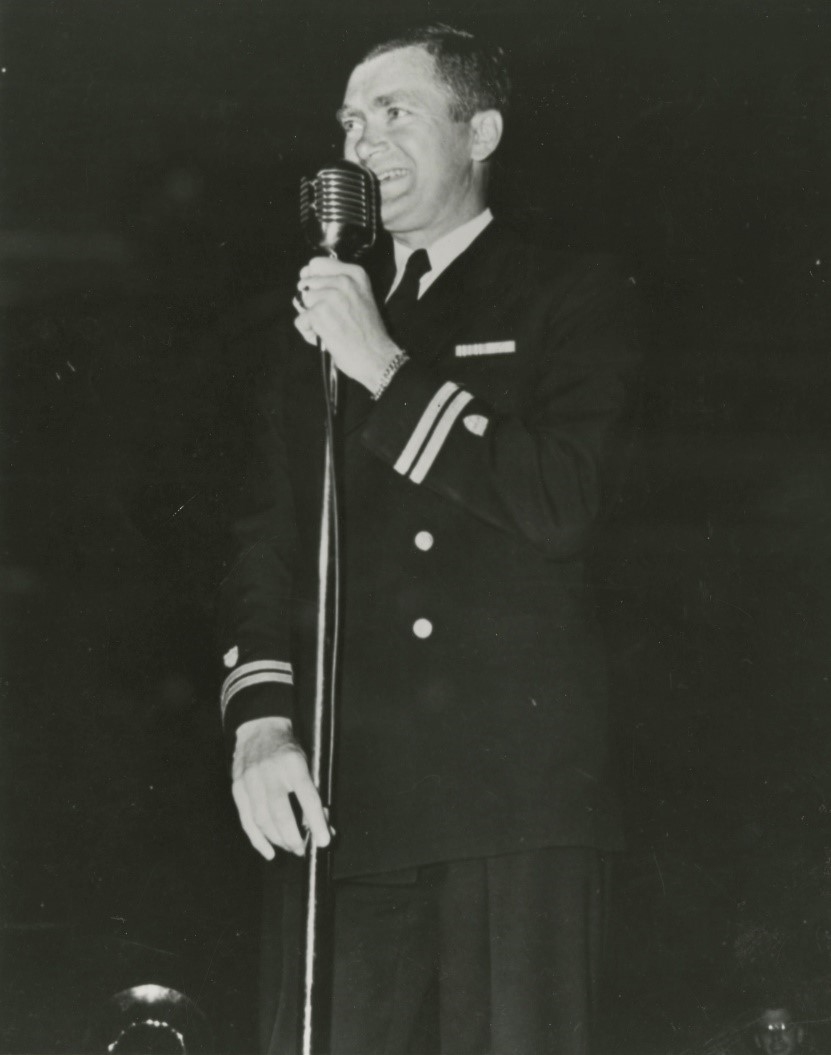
pixel 339 210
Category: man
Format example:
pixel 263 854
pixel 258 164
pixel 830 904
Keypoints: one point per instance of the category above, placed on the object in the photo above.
pixel 480 438
pixel 776 1033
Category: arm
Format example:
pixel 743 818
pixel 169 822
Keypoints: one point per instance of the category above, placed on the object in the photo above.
pixel 257 697
pixel 542 472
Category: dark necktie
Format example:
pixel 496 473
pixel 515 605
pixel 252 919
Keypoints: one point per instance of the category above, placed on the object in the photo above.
pixel 405 294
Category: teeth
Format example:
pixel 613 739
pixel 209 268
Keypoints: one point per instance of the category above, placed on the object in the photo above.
pixel 390 174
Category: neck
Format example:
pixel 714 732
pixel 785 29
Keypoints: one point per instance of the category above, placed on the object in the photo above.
pixel 425 237
pixel 470 199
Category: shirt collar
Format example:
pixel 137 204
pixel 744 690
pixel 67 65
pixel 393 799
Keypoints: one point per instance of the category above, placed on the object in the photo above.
pixel 442 252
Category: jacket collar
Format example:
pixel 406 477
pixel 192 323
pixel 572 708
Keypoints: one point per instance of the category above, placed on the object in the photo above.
pixel 442 252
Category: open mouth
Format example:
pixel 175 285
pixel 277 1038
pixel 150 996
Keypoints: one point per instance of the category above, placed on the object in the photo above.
pixel 389 175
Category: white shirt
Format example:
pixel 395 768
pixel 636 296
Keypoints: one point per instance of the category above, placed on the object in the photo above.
pixel 442 252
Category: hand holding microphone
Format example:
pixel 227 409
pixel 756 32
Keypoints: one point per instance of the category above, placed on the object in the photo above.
pixel 335 302
pixel 336 305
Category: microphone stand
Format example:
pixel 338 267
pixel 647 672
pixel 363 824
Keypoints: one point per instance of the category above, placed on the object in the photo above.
pixel 339 211
pixel 316 990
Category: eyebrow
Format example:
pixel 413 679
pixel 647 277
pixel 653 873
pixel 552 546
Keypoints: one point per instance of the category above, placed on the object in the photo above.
pixel 378 103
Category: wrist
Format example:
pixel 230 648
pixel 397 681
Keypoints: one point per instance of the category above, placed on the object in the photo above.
pixel 377 358
pixel 253 726
pixel 392 367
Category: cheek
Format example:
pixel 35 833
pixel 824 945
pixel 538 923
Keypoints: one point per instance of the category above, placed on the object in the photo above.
pixel 450 161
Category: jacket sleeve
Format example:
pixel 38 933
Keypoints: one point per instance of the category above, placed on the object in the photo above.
pixel 544 471
pixel 255 593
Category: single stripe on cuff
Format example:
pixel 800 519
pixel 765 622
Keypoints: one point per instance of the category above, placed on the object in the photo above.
pixel 425 424
pixel 440 434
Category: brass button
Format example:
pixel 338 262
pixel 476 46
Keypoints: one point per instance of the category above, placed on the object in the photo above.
pixel 422 628
pixel 424 541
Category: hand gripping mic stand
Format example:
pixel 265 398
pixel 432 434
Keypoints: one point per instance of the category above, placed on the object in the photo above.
pixel 338 211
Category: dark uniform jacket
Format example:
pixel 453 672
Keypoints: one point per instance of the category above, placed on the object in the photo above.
pixel 472 713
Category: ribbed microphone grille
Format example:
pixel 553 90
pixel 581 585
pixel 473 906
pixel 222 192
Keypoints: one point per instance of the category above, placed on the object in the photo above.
pixel 338 196
pixel 339 209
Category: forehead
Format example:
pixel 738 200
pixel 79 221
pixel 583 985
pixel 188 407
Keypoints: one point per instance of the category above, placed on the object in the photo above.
pixel 407 71
pixel 776 1017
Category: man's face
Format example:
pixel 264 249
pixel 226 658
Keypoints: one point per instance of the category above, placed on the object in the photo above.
pixel 396 120
pixel 777 1034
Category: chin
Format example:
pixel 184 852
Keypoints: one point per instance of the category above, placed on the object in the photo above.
pixel 391 218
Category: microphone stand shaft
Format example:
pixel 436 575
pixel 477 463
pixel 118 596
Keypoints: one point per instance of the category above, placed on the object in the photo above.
pixel 316 995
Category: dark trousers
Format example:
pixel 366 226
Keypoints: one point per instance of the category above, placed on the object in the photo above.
pixel 493 956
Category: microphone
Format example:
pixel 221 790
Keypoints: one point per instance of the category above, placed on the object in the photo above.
pixel 339 210
pixel 339 214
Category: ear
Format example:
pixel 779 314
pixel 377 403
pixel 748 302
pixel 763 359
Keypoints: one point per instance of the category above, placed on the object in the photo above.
pixel 486 126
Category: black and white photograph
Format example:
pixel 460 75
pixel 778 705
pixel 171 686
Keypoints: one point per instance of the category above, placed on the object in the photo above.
pixel 416 527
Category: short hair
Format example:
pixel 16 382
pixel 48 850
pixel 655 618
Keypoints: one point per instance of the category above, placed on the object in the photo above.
pixel 474 72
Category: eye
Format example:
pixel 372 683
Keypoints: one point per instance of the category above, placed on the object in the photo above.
pixel 394 112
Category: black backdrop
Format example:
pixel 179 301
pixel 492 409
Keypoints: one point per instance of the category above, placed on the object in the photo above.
pixel 150 159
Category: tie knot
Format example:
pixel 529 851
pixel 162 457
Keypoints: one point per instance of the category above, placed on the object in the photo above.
pixel 404 297
pixel 418 264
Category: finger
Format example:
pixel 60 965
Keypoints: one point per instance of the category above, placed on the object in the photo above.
pixel 258 840
pixel 312 808
pixel 314 289
pixel 322 316
pixel 255 836
pixel 258 797
pixel 301 324
pixel 283 818
pixel 330 300
pixel 328 265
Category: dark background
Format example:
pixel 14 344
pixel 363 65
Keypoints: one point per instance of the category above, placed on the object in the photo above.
pixel 150 160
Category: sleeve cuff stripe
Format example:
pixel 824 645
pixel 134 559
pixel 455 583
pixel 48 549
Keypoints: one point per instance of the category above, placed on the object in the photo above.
pixel 254 667
pixel 262 669
pixel 440 434
pixel 246 683
pixel 424 426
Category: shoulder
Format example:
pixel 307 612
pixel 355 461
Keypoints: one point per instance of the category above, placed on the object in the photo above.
pixel 547 271
pixel 554 290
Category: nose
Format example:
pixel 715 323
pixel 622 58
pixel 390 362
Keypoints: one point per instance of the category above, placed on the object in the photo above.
pixel 369 143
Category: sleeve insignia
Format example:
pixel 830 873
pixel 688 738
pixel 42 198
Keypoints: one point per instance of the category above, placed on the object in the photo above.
pixel 476 423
